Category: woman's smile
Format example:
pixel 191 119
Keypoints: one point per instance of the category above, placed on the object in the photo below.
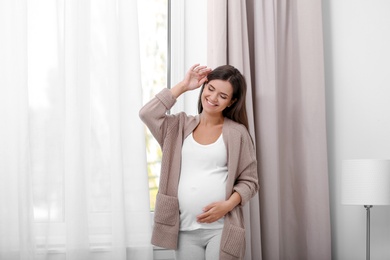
pixel 211 102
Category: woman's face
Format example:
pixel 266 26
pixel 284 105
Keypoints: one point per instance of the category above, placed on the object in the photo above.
pixel 216 96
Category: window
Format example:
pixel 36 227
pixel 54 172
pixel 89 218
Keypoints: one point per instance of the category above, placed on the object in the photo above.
pixel 153 19
pixel 164 39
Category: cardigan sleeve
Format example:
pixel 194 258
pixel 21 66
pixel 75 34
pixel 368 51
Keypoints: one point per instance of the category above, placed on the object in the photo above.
pixel 154 114
pixel 246 183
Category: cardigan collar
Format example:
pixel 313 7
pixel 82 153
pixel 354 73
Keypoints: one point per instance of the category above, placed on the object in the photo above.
pixel 195 122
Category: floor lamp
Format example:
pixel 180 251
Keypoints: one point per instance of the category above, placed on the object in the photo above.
pixel 366 182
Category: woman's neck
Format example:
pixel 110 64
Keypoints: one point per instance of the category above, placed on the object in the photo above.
pixel 211 120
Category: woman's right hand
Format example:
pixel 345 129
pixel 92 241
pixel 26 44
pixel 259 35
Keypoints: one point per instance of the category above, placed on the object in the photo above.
pixel 194 78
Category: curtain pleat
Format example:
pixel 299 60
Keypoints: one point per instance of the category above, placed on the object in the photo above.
pixel 15 189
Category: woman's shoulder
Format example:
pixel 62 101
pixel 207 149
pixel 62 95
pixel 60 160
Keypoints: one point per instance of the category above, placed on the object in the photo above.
pixel 232 125
pixel 184 120
pixel 236 135
pixel 235 129
pixel 184 116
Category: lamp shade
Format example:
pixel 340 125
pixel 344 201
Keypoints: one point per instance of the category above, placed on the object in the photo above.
pixel 365 182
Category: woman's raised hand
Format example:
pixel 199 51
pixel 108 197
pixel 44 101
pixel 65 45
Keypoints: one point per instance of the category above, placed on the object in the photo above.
pixel 194 78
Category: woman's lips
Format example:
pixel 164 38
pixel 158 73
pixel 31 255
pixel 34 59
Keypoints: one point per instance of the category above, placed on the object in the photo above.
pixel 211 103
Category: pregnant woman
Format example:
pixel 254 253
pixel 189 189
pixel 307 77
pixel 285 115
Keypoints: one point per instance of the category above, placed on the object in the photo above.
pixel 208 168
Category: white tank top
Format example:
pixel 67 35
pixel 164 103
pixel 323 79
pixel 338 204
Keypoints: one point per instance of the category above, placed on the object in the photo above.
pixel 202 181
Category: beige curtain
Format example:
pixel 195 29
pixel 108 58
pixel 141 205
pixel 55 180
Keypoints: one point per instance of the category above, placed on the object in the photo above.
pixel 278 46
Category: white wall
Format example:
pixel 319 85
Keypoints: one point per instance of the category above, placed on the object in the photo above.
pixel 357 57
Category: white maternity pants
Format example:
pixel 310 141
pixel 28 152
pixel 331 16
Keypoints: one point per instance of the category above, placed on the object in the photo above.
pixel 199 244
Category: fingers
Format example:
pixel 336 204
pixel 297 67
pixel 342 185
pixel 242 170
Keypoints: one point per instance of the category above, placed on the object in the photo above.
pixel 208 215
pixel 194 66
pixel 196 76
pixel 200 69
pixel 205 218
pixel 203 80
pixel 208 207
pixel 204 71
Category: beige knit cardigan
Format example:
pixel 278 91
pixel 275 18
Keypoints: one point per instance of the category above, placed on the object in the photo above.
pixel 170 132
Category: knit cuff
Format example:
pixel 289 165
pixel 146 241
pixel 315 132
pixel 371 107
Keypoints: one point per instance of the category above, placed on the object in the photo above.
pixel 166 97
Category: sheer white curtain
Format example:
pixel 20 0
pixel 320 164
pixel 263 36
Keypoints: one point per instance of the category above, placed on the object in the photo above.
pixel 73 178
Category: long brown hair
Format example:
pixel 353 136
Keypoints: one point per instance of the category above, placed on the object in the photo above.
pixel 237 111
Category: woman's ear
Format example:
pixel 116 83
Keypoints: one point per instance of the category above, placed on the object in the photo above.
pixel 232 102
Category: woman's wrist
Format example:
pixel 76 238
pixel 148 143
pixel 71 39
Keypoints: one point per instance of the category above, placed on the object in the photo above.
pixel 178 89
pixel 234 200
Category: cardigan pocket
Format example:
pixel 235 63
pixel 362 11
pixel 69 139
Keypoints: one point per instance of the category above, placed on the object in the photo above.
pixel 234 241
pixel 166 210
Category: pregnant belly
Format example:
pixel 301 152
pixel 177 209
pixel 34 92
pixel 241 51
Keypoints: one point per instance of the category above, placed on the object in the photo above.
pixel 194 197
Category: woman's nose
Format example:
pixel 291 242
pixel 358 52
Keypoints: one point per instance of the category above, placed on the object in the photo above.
pixel 214 96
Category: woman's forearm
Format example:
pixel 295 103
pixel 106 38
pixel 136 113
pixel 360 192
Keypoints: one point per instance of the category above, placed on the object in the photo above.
pixel 234 200
pixel 178 89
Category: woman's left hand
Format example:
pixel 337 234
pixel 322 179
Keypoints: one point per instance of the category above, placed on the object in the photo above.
pixel 217 210
pixel 213 212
